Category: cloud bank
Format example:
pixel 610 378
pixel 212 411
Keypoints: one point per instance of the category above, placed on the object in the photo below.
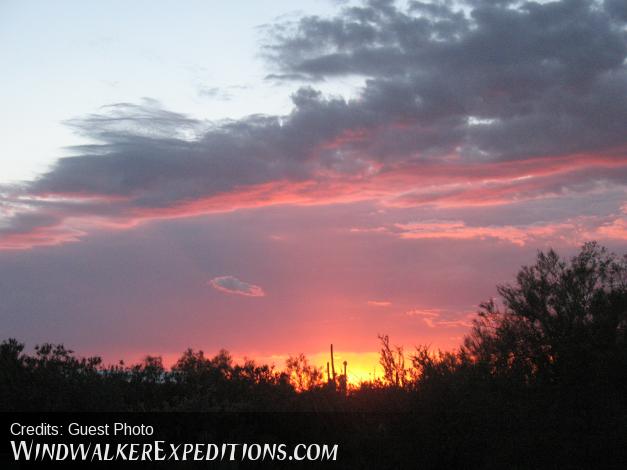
pixel 463 105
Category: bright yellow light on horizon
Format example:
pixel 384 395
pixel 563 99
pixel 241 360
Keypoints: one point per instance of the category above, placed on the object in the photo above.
pixel 361 366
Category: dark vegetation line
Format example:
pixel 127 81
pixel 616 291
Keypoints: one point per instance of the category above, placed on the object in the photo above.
pixel 543 372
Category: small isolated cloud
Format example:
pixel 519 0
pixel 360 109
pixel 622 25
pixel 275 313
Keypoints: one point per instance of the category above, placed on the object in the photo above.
pixel 214 92
pixel 379 303
pixel 232 285
pixel 219 93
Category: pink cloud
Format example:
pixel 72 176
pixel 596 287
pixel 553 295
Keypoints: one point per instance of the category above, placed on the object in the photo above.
pixel 615 229
pixel 454 323
pixel 410 184
pixel 424 312
pixel 572 231
pixel 460 231
pixel 432 317
pixel 435 323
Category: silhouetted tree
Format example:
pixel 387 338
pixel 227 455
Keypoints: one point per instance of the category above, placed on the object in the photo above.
pixel 561 321
pixel 392 359
pixel 303 375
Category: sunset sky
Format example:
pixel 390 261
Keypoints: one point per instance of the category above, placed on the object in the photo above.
pixel 265 179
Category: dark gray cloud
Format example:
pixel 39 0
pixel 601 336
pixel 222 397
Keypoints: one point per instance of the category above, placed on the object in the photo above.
pixel 550 77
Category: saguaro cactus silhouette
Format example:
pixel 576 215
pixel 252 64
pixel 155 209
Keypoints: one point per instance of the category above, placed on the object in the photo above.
pixel 332 364
pixel 332 378
pixel 344 379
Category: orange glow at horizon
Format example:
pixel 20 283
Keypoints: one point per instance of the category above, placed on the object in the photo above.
pixel 361 366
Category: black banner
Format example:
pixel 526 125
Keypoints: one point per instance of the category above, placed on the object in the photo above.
pixel 208 440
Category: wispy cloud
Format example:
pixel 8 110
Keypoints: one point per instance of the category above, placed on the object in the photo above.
pixel 424 312
pixel 573 231
pixel 438 318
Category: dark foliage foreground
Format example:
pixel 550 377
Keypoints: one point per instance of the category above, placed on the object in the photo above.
pixel 540 380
